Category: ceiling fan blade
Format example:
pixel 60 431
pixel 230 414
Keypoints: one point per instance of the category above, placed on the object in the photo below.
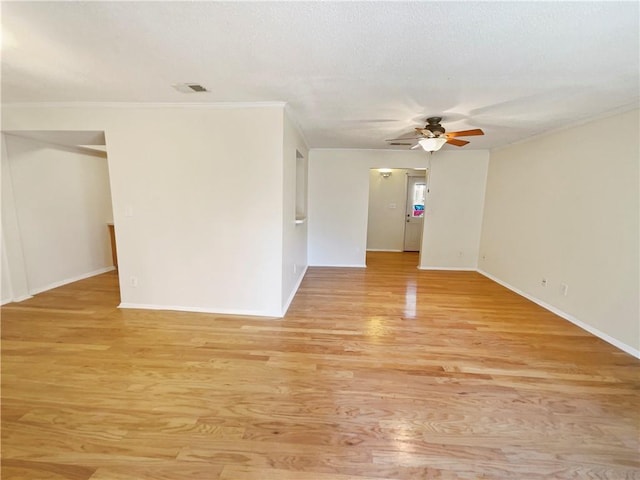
pixel 456 142
pixel 415 146
pixel 464 133
pixel 401 139
pixel 399 143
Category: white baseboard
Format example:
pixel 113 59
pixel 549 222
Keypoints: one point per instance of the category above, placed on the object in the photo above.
pixel 594 331
pixel 339 266
pixel 16 300
pixel 181 308
pixel 384 250
pixel 66 281
pixel 220 311
pixel 285 307
pixel 452 269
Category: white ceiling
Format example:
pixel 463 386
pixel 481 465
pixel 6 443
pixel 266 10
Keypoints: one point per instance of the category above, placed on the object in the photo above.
pixel 353 73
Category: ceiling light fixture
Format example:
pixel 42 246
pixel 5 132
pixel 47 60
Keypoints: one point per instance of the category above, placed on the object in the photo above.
pixel 385 172
pixel 432 144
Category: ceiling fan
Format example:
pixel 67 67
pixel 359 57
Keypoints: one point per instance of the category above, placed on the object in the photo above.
pixel 433 136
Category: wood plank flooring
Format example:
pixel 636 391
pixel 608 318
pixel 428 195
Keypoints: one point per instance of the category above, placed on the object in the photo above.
pixel 383 373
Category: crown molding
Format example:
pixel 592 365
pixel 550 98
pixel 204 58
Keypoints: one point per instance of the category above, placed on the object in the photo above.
pixel 272 104
pixel 627 107
pixel 288 111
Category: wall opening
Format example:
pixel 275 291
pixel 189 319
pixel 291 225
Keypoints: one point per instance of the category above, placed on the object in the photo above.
pixel 396 210
pixel 60 203
pixel 301 187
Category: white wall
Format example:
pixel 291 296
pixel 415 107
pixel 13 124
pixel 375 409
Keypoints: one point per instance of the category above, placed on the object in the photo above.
pixel 339 195
pixel 294 240
pixel 387 205
pixel 5 286
pixel 198 205
pixel 14 274
pixel 565 206
pixel 62 205
pixel 453 210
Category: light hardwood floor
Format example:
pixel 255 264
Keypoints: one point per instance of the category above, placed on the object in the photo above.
pixel 383 373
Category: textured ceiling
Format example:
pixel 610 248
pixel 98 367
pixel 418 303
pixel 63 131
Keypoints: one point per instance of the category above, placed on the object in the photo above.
pixel 353 73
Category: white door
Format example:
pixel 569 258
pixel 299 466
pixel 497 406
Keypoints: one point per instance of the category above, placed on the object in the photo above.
pixel 416 190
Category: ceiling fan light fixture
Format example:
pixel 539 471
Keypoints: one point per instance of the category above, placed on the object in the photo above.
pixel 432 144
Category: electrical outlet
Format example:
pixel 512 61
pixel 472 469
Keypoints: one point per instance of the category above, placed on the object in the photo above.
pixel 543 282
pixel 564 289
pixel 133 281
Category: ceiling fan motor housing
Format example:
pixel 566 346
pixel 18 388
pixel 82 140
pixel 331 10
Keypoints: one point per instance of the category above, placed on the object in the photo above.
pixel 433 125
pixel 437 130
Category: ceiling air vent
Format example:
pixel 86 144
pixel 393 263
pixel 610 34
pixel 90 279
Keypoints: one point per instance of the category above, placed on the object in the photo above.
pixel 189 87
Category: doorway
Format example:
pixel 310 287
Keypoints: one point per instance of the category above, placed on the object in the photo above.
pixel 396 209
